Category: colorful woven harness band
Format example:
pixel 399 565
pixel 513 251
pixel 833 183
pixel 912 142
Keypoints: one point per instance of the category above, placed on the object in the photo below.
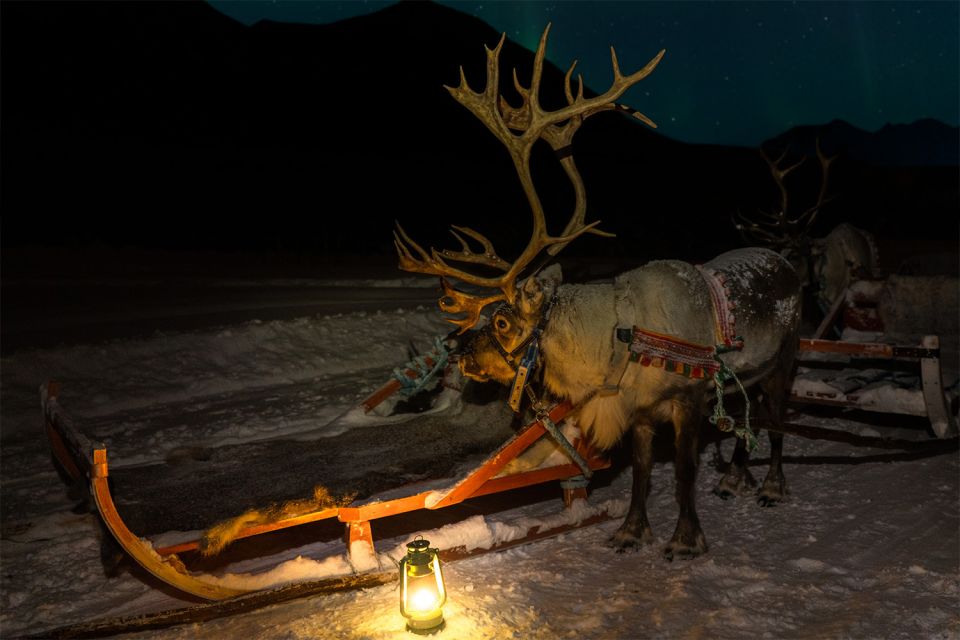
pixel 676 355
pixel 672 354
pixel 725 322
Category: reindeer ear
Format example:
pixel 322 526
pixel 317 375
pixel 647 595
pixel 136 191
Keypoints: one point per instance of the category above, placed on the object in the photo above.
pixel 552 276
pixel 531 296
pixel 538 288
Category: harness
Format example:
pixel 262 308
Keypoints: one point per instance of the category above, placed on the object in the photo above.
pixel 530 359
pixel 523 369
pixel 649 348
pixel 697 361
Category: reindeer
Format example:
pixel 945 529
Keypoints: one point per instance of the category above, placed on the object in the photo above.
pixel 571 331
pixel 826 265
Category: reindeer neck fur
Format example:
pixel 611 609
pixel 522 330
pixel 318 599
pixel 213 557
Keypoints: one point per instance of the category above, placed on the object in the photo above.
pixel 578 341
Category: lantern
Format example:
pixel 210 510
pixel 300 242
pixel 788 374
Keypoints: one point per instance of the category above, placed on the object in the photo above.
pixel 422 593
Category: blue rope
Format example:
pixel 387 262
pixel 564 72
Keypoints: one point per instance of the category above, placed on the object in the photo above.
pixel 425 373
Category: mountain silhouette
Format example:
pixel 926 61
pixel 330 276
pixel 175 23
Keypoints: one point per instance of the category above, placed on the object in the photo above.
pixel 171 125
pixel 925 142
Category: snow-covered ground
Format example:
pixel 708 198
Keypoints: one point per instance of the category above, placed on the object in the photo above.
pixel 867 546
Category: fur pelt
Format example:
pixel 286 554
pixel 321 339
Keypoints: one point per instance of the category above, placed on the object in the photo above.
pixel 216 538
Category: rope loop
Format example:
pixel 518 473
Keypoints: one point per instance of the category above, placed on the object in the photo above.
pixel 720 418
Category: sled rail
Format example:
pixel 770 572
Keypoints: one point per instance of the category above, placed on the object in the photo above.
pixel 479 482
pixel 72 450
pixel 85 461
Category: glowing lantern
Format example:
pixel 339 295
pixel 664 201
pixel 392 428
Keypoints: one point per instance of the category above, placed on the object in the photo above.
pixel 422 593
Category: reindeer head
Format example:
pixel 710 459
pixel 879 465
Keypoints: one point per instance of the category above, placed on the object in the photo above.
pixel 790 235
pixel 496 350
pixel 521 309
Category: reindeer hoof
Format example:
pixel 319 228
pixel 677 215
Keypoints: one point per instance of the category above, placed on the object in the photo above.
pixel 682 552
pixel 685 546
pixel 772 492
pixel 624 540
pixel 767 501
pixel 735 484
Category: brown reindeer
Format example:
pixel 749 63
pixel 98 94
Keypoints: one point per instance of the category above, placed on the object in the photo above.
pixel 584 338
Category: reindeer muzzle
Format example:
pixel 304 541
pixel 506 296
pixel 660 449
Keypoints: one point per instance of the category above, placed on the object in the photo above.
pixel 469 367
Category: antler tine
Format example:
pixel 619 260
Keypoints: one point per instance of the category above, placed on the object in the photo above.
pixel 484 105
pixel 758 232
pixel 566 84
pixel 607 100
pixel 780 174
pixel 779 228
pixel 532 100
pixel 519 128
pixel 433 263
pixel 807 218
pixel 453 301
pixel 489 256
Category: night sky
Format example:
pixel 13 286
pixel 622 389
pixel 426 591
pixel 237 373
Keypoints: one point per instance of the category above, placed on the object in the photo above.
pixel 735 73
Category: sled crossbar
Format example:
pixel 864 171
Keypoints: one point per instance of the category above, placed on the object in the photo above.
pixel 868 349
pixel 86 462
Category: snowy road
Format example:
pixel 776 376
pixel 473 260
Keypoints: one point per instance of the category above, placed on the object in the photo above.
pixel 53 313
pixel 867 546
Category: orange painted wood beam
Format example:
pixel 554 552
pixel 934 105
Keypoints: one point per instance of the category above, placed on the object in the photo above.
pixel 499 459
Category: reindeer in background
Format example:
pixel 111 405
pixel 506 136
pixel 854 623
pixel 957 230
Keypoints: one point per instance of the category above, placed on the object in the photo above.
pixel 669 316
pixel 827 266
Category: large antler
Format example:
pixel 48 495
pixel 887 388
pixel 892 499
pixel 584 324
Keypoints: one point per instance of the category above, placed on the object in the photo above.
pixel 518 128
pixel 777 228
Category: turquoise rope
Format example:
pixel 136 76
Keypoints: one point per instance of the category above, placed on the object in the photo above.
pixel 557 435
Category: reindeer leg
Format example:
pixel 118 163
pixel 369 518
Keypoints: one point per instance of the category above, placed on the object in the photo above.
pixel 737 480
pixel 774 488
pixel 635 530
pixel 688 540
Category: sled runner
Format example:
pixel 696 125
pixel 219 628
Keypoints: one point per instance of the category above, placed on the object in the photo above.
pixel 86 462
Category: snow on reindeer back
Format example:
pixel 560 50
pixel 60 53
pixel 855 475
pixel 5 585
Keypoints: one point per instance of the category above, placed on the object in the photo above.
pixel 744 269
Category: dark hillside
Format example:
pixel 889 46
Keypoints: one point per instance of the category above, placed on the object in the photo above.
pixel 169 125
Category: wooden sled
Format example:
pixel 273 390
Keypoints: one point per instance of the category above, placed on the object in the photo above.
pixel 86 462
pixel 846 388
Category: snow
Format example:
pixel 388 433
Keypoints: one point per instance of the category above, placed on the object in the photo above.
pixel 866 546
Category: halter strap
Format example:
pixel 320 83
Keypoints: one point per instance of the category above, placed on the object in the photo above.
pixel 510 356
pixel 530 359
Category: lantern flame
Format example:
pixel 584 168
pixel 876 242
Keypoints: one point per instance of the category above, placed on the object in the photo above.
pixel 424 600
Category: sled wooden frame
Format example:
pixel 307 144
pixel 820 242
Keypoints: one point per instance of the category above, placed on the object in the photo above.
pixel 86 462
pixel 935 402
pixel 936 406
